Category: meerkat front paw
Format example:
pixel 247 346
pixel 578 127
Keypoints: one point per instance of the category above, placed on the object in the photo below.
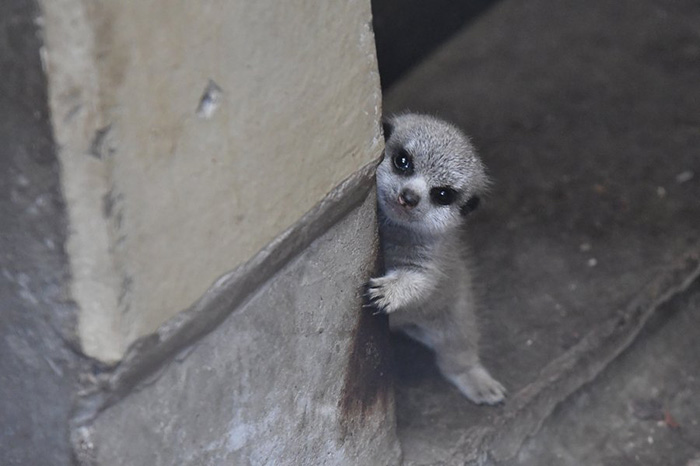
pixel 477 384
pixel 381 292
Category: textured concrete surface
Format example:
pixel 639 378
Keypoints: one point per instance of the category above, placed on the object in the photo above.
pixel 642 410
pixel 37 368
pixel 586 115
pixel 205 129
pixel 299 374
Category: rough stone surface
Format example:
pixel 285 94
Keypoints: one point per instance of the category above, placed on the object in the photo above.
pixel 586 115
pixel 642 410
pixel 191 136
pixel 297 375
pixel 37 369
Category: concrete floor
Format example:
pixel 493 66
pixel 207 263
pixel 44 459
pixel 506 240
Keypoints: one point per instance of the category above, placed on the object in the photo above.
pixel 641 410
pixel 587 115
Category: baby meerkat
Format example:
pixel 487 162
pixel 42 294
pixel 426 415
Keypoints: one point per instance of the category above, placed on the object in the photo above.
pixel 427 183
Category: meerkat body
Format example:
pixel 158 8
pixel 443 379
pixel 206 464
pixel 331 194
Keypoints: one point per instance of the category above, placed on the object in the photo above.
pixel 428 182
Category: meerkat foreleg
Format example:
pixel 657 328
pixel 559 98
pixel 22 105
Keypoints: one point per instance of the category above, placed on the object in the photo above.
pixel 400 288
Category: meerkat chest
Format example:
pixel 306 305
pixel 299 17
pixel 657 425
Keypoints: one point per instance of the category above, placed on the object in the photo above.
pixel 405 254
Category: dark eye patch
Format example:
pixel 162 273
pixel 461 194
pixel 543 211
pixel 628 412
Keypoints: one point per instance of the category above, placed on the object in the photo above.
pixel 470 205
pixel 443 195
pixel 403 162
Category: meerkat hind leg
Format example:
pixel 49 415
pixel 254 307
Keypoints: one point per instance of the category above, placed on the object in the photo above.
pixel 465 372
pixel 457 358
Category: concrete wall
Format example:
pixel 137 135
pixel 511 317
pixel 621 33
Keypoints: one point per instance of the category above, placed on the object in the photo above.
pixel 297 374
pixel 37 366
pixel 191 211
pixel 190 135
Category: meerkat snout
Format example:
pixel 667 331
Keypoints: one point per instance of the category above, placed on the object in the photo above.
pixel 408 198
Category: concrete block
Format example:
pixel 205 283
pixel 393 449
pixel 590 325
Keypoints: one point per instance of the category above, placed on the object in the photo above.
pixel 298 374
pixel 191 135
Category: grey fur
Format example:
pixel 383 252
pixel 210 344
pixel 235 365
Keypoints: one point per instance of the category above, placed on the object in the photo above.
pixel 427 287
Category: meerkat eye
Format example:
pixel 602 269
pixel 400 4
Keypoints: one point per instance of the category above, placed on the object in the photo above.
pixel 443 195
pixel 403 162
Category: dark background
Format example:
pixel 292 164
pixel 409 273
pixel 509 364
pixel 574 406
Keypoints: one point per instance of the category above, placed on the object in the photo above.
pixel 406 31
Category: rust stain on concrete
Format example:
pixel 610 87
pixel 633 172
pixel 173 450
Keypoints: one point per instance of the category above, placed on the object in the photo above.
pixel 369 376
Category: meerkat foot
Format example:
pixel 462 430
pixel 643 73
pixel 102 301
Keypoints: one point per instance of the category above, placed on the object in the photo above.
pixel 478 385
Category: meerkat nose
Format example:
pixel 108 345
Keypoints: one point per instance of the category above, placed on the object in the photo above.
pixel 408 198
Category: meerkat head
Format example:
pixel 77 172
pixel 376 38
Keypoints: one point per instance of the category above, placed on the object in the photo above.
pixel 430 177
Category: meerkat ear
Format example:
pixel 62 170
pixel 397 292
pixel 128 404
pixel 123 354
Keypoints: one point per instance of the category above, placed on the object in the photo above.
pixel 470 205
pixel 387 127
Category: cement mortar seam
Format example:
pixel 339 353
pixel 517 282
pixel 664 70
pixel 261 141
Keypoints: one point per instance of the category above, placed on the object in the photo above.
pixel 145 358
pixel 564 376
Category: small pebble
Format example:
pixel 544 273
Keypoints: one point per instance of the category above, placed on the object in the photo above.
pixel 592 262
pixel 684 176
pixel 650 440
pixel 661 192
pixel 528 343
pixel 210 100
pixel 584 247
